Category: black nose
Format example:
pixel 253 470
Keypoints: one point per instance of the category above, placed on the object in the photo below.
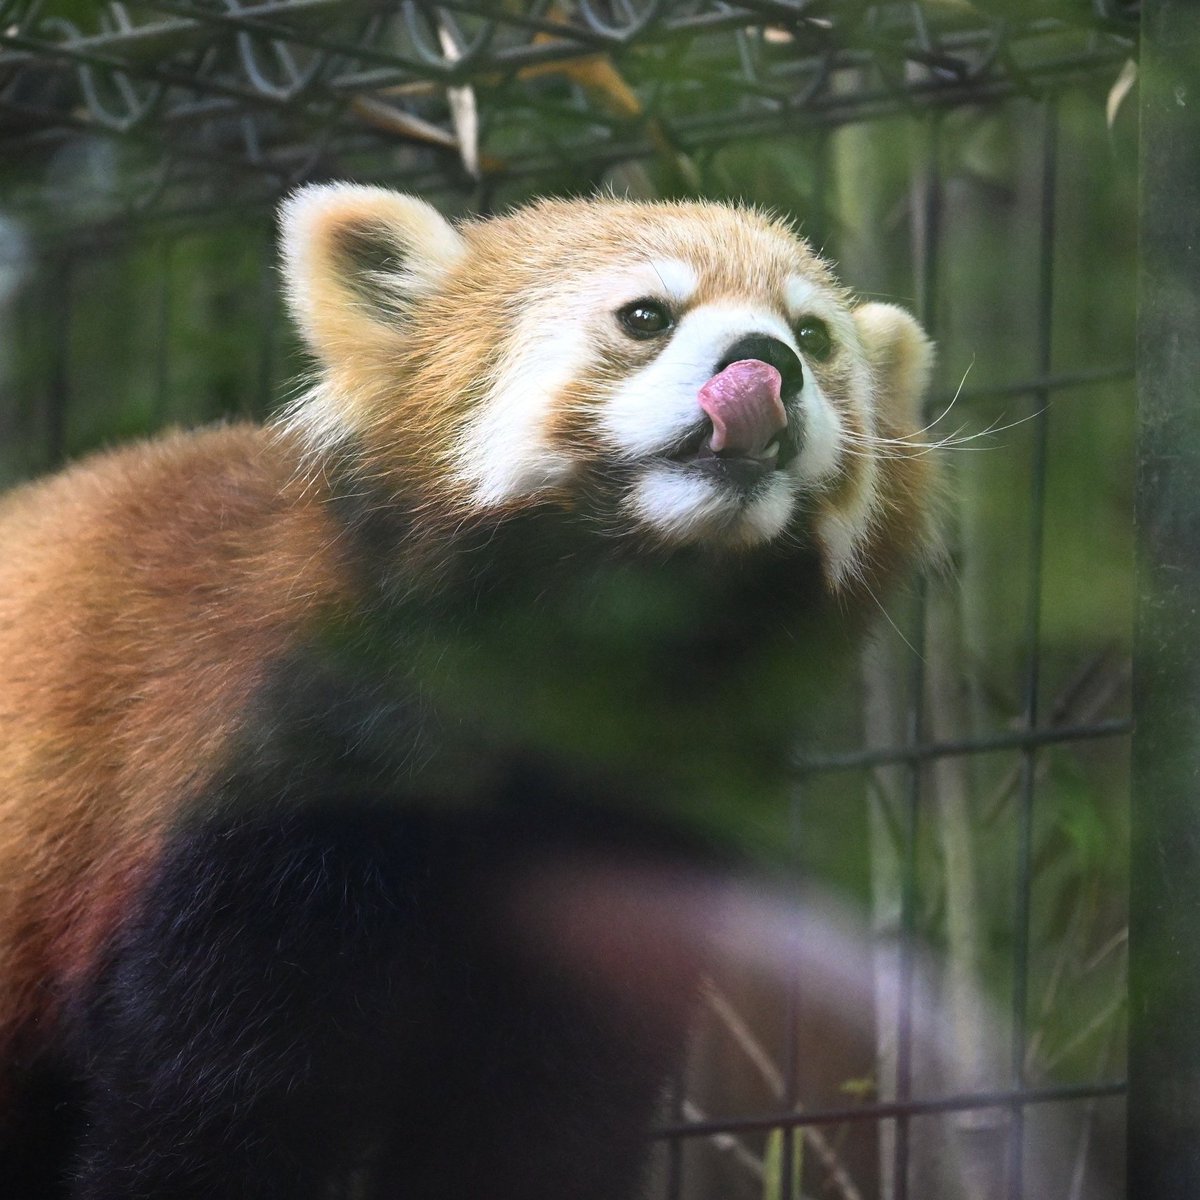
pixel 769 350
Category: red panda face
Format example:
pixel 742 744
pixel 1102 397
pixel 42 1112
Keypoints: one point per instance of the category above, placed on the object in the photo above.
pixel 696 365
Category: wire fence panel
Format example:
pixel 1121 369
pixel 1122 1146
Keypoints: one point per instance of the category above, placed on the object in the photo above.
pixel 933 1002
pixel 189 98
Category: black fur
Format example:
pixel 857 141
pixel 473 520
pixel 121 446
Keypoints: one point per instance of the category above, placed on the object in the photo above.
pixel 364 966
pixel 39 1142
pixel 333 1000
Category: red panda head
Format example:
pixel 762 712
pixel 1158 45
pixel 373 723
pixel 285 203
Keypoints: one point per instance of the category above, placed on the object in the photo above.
pixel 690 374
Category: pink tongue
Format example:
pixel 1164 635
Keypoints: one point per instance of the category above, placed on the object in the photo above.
pixel 744 406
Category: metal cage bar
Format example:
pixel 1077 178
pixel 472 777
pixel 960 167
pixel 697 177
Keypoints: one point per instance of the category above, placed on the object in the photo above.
pixel 1045 309
pixel 185 85
pixel 1164 1066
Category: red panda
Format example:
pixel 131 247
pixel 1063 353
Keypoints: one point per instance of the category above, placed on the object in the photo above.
pixel 286 710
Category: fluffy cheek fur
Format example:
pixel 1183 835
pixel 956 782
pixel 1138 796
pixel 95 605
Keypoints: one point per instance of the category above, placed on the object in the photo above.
pixel 578 396
pixel 541 395
pixel 859 488
pixel 507 453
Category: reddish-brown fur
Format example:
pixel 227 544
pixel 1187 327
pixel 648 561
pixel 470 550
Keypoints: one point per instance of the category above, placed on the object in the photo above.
pixel 412 446
pixel 145 592
pixel 141 594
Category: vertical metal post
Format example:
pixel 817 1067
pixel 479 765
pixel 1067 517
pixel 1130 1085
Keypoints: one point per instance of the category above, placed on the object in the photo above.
pixel 1033 635
pixel 1164 1052
pixel 926 229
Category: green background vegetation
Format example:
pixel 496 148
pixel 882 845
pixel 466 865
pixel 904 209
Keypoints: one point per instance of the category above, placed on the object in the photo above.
pixel 115 330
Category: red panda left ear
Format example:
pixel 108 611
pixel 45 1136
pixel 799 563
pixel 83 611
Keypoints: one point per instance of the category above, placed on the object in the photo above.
pixel 355 259
pixel 901 358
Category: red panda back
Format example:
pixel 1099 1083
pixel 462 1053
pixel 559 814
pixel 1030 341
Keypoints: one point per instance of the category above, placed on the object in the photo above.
pixel 142 595
pixel 294 719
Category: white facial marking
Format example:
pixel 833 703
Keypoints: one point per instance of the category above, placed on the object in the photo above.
pixel 799 294
pixel 675 504
pixel 677 280
pixel 840 536
pixel 821 448
pixel 319 417
pixel 660 404
pixel 669 279
pixel 504 453
pixel 683 507
pixel 804 298
pixel 768 515
pixel 842 529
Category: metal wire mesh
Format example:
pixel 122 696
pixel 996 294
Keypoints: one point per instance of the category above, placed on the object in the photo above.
pixel 145 132
pixel 198 96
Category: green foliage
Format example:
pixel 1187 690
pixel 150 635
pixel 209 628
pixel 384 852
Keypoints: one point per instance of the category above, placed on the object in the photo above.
pixel 180 325
pixel 783 1167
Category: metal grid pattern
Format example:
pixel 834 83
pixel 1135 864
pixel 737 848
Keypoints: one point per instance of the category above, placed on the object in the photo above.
pixel 210 110
pixel 1034 731
pixel 202 95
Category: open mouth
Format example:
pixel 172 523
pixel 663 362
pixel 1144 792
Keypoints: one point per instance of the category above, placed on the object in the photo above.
pixel 741 466
pixel 744 433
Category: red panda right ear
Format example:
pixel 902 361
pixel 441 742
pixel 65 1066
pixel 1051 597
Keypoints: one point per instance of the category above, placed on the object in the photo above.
pixel 354 260
pixel 901 357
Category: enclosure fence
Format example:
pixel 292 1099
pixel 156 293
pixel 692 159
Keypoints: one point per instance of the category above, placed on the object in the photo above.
pixel 954 1023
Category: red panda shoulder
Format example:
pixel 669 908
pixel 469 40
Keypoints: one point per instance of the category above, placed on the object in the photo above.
pixel 144 595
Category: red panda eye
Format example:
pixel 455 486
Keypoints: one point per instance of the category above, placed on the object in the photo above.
pixel 815 339
pixel 644 318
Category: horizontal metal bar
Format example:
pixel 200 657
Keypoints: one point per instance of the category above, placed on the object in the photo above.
pixel 211 114
pixel 1058 382
pixel 697 133
pixel 144 42
pixel 253 22
pixel 884 1110
pixel 1017 739
pixel 147 43
pixel 300 21
pixel 75 125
